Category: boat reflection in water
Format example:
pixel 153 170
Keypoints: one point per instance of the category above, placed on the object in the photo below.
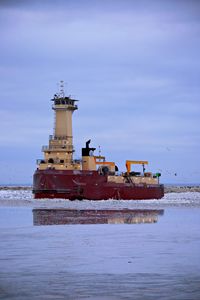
pixel 60 216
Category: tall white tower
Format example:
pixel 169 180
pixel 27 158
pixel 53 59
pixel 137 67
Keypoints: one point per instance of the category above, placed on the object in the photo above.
pixel 59 153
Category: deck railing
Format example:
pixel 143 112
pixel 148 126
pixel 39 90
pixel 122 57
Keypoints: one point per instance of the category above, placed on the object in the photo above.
pixel 59 147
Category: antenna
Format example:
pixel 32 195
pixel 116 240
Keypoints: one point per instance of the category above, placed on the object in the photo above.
pixel 62 93
pixel 99 150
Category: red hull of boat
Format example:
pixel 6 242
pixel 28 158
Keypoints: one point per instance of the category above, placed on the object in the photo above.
pixel 89 185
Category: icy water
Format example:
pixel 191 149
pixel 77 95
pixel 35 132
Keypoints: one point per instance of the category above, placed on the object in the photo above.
pixel 158 260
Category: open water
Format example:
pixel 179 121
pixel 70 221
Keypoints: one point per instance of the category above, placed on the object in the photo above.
pixel 159 260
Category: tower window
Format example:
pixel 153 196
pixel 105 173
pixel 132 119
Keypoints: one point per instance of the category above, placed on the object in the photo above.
pixel 51 161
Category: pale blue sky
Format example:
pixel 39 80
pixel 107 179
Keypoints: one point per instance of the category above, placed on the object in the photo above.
pixel 134 66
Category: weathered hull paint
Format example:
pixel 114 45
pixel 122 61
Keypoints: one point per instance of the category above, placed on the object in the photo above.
pixel 74 184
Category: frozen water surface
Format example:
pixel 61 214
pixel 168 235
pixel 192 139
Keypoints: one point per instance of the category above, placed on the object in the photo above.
pixel 25 198
pixel 124 261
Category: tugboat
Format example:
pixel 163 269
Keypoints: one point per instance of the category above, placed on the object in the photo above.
pixel 58 175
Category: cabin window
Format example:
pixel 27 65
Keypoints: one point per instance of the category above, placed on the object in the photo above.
pixel 51 161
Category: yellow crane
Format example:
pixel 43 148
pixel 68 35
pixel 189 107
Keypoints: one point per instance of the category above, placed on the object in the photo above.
pixel 136 162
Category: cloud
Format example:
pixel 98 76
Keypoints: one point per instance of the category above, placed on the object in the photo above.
pixel 20 130
pixel 134 66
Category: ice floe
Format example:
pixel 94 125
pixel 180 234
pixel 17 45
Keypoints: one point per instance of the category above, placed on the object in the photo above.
pixel 24 197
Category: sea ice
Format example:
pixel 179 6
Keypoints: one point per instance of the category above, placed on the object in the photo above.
pixel 25 198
